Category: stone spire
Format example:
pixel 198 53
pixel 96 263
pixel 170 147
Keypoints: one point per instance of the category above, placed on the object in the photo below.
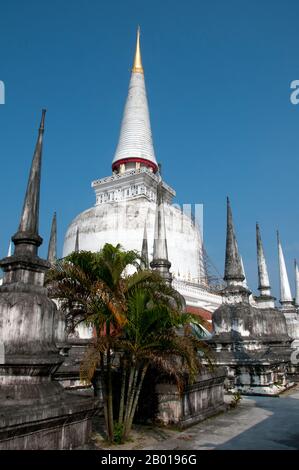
pixel 233 272
pixel 160 253
pixel 28 353
pixel 137 65
pixel 52 249
pixel 27 239
pixel 265 298
pixel 135 145
pixel 296 284
pixel 144 250
pixel 286 299
pixel 25 308
pixel 77 249
pixel 24 266
pixel 235 291
pixel 243 272
pixel 263 277
pixel 9 252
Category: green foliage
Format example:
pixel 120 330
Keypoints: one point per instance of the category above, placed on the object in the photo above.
pixel 118 433
pixel 237 397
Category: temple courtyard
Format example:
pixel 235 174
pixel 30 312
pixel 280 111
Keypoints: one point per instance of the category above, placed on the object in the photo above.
pixel 261 423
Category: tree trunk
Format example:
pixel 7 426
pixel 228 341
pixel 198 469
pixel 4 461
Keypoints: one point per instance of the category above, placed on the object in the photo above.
pixel 122 395
pixel 130 402
pixel 105 397
pixel 133 391
pixel 97 385
pixel 138 390
pixel 129 391
pixel 109 389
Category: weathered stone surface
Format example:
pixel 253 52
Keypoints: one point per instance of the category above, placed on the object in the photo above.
pixel 64 423
pixel 198 401
pixel 35 411
pixel 254 346
pixel 233 266
pixel 252 343
pixel 69 372
pixel 242 320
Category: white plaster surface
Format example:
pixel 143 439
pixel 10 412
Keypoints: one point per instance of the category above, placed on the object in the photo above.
pixel 285 290
pixel 135 138
pixel 123 223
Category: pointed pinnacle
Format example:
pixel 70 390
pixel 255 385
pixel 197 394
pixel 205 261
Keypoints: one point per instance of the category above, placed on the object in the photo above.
pixel 27 238
pixel 77 249
pixel 137 65
pixel 52 249
pixel 233 266
pixel 285 290
pixel 263 277
pixel 144 250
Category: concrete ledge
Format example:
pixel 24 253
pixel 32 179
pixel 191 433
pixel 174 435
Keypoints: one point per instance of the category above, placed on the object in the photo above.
pixel 198 401
pixel 55 425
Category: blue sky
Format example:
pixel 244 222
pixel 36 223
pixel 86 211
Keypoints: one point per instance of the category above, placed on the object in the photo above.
pixel 218 78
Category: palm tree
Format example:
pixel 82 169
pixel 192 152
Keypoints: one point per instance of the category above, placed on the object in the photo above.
pixel 138 317
pixel 156 334
pixel 91 288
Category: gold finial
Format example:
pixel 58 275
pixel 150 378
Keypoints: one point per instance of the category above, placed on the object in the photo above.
pixel 137 66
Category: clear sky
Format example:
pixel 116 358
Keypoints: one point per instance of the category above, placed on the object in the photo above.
pixel 218 79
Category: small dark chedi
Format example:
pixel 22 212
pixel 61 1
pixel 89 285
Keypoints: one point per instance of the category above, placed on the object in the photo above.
pixel 251 342
pixel 35 411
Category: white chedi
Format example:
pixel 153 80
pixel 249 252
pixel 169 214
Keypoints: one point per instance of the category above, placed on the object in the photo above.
pixel 126 200
pixel 123 222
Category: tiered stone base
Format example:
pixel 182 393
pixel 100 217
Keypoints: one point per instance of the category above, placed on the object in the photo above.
pixel 257 378
pixel 63 424
pixel 254 368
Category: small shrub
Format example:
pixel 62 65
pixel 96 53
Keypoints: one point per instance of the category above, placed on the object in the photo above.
pixel 118 433
pixel 236 399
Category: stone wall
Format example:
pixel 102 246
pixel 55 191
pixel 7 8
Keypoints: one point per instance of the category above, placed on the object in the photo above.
pixel 203 398
pixel 63 425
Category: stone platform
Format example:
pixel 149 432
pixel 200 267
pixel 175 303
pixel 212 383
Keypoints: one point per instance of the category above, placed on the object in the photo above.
pixel 60 423
pixel 203 398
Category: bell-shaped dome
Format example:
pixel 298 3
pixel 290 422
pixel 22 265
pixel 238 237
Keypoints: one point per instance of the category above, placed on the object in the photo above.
pixel 123 222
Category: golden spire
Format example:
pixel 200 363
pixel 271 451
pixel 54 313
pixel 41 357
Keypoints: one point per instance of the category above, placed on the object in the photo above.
pixel 137 66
